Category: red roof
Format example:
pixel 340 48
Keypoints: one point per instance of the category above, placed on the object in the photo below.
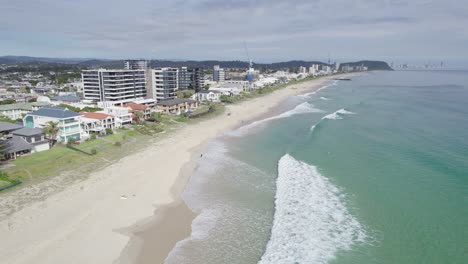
pixel 95 115
pixel 136 107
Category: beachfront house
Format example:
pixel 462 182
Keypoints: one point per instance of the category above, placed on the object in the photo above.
pixel 69 122
pixel 176 106
pixel 228 88
pixel 18 110
pixel 97 123
pixel 133 108
pixel 18 140
pixel 121 115
pixel 207 96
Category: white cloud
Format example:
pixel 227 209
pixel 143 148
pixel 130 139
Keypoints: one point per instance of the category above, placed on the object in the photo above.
pixel 198 29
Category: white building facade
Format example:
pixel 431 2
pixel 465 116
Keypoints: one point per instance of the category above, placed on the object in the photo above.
pixel 113 85
pixel 163 83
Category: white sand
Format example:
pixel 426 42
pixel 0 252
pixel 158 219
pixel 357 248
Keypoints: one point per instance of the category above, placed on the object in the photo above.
pixel 85 222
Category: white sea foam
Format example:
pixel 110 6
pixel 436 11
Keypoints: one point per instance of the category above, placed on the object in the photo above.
pixel 324 98
pixel 311 221
pixel 319 89
pixel 338 114
pixel 312 128
pixel 302 108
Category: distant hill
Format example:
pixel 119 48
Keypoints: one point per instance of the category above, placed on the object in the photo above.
pixel 371 65
pixel 26 59
pixel 84 63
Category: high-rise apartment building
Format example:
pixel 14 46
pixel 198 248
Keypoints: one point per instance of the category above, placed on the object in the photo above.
pixel 163 83
pixel 218 74
pixel 191 78
pixel 113 85
pixel 135 64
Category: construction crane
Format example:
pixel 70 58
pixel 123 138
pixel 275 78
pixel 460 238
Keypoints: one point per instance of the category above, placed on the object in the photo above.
pixel 250 71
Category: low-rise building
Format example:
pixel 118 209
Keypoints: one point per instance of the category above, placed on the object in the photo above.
pixel 207 96
pixel 18 110
pixel 69 122
pixel 65 99
pixel 97 123
pixel 176 106
pixel 121 114
pixel 228 88
pixel 34 136
pixel 134 108
pixel 18 140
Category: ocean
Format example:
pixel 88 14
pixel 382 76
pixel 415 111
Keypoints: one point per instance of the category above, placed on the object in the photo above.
pixel 373 170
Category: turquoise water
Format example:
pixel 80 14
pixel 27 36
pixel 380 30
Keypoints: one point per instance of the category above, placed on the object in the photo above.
pixel 369 171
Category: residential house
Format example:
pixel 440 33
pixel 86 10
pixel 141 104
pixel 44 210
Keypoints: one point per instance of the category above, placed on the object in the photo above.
pixel 121 115
pixel 18 140
pixel 97 123
pixel 209 96
pixel 133 108
pixel 228 88
pixel 176 106
pixel 18 110
pixel 69 122
pixel 34 136
pixel 65 99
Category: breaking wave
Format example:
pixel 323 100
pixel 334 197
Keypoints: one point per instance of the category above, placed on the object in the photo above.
pixel 337 114
pixel 333 116
pixel 302 108
pixel 335 82
pixel 311 222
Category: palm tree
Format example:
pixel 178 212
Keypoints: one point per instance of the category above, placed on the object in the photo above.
pixel 51 131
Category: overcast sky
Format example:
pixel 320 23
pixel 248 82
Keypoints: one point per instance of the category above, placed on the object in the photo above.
pixel 214 29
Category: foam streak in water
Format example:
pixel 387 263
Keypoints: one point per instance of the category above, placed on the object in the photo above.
pixel 318 90
pixel 303 108
pixel 338 114
pixel 311 221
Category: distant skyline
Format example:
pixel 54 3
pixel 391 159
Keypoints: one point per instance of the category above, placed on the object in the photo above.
pixel 398 30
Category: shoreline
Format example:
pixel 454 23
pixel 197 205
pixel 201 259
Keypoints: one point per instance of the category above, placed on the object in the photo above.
pixel 92 221
pixel 165 217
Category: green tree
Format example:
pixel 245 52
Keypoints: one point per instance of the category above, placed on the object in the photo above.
pixel 156 116
pixel 109 131
pixel 140 116
pixel 206 87
pixel 6 119
pixel 71 108
pixel 226 99
pixel 185 94
pixel 51 131
pixel 3 149
pixel 7 101
pixel 71 142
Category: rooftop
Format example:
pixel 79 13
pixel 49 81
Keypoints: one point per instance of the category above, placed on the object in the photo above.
pixel 6 127
pixel 22 106
pixel 136 107
pixel 176 101
pixel 55 112
pixel 27 132
pixel 15 144
pixel 67 98
pixel 99 116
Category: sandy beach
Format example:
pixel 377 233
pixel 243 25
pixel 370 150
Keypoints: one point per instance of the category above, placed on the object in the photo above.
pixel 114 215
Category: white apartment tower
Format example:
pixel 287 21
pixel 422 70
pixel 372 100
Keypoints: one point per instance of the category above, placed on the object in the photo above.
pixel 219 75
pixel 135 64
pixel 163 83
pixel 113 85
